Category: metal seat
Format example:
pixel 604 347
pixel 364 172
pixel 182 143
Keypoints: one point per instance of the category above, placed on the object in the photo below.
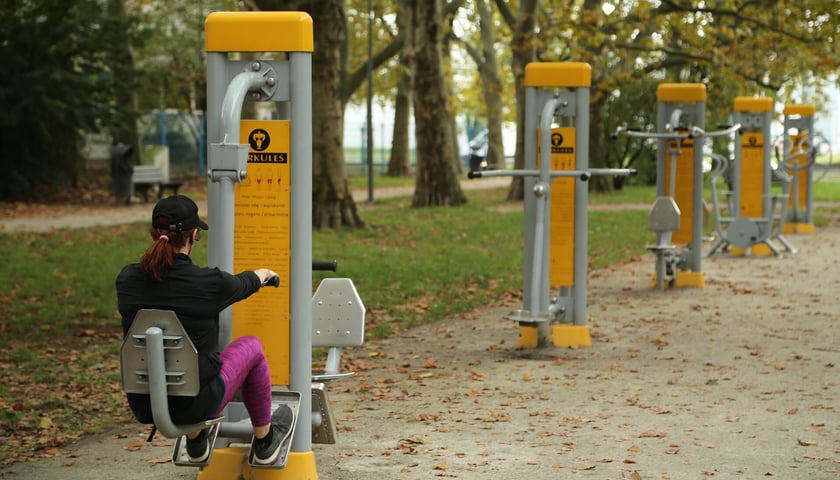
pixel 338 320
pixel 157 358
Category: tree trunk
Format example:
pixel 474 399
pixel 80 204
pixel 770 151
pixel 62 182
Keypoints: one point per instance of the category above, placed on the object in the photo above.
pixel 598 144
pixel 126 99
pixel 399 164
pixel 492 87
pixel 436 180
pixel 332 201
pixel 522 45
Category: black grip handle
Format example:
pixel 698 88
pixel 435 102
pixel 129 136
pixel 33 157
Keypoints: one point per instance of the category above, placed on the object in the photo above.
pixel 273 281
pixel 330 266
pixel 473 174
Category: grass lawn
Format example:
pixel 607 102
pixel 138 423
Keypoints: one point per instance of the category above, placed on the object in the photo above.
pixel 61 331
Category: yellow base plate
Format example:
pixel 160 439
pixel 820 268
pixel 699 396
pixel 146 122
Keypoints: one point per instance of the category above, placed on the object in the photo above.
pixel 798 228
pixel 529 337
pixel 685 280
pixel 231 463
pixel 757 250
pixel 570 335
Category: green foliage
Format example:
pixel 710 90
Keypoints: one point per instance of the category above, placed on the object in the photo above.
pixel 57 78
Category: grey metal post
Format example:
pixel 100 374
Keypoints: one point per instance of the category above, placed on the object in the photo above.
pixel 581 240
pixel 300 329
pixel 530 163
pixel 539 273
pixel 216 86
pixel 696 254
pixel 227 161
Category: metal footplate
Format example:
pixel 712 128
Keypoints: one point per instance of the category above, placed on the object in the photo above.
pixel 292 399
pixel 525 317
pixel 323 422
pixel 179 453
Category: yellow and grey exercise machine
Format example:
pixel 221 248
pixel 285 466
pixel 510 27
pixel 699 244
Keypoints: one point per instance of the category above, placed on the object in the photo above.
pixel 756 214
pixel 677 214
pixel 799 156
pixel 556 198
pixel 260 201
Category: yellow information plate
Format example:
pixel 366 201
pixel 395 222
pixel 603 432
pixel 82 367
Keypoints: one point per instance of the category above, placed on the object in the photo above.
pixel 684 194
pixel 262 239
pixel 801 197
pixel 562 236
pixel 752 175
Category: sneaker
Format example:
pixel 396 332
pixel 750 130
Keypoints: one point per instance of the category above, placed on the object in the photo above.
pixel 198 449
pixel 267 449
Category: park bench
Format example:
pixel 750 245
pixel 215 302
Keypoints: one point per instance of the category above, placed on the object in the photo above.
pixel 145 177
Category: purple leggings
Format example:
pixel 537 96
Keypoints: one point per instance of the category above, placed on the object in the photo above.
pixel 244 367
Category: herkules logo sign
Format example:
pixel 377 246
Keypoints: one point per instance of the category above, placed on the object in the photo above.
pixel 557 142
pixel 259 141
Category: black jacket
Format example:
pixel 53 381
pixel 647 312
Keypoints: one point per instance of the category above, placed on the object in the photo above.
pixel 196 295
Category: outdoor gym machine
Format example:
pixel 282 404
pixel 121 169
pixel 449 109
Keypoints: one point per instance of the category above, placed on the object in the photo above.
pixel 800 153
pixel 752 224
pixel 555 224
pixel 260 201
pixel 677 214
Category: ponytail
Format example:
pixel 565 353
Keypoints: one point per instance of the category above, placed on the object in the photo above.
pixel 160 256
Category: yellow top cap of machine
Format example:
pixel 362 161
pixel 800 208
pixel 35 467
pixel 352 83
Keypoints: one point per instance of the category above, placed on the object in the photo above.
pixel 753 104
pixel 258 32
pixel 558 74
pixel 681 92
pixel 804 109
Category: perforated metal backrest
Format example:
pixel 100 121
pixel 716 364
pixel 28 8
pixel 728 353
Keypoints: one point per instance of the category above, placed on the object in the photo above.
pixel 338 314
pixel 664 216
pixel 179 353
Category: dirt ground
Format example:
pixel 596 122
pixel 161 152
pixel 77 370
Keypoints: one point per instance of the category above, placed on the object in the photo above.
pixel 736 380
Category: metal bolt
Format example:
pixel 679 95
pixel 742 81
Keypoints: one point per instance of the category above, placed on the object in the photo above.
pixel 270 81
pixel 256 66
pixel 539 189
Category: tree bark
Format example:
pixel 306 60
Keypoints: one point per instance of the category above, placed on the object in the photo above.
pixel 492 87
pixel 399 164
pixel 332 201
pixel 522 46
pixel 436 180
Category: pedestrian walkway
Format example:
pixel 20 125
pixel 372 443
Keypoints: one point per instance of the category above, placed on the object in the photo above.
pixel 93 216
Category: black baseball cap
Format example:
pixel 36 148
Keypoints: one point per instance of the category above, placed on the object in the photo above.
pixel 177 213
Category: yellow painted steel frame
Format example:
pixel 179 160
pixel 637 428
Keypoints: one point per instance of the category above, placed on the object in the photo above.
pixel 258 32
pixel 558 74
pixel 562 221
pixel 804 110
pixel 684 196
pixel 752 169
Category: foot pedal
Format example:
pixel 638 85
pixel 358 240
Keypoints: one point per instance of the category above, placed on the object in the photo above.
pixel 292 400
pixel 323 423
pixel 179 454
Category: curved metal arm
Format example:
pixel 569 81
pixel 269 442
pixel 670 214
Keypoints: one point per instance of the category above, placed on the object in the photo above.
pixel 232 103
pixel 721 133
pixel 157 388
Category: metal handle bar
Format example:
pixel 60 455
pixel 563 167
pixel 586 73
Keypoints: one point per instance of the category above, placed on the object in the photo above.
pixel 330 266
pixel 582 174
pixel 719 133
pixel 692 132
